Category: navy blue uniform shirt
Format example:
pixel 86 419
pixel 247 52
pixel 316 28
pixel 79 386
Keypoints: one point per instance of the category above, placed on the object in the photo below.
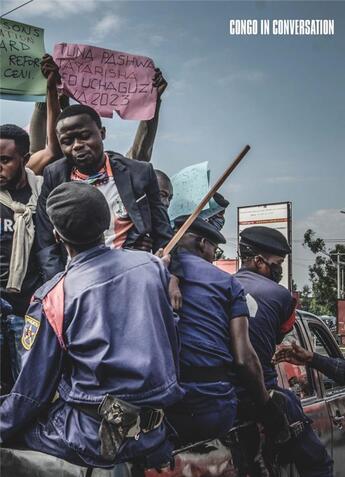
pixel 118 337
pixel 333 368
pixel 211 298
pixel 270 306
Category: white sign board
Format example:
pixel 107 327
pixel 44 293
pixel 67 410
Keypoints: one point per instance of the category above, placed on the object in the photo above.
pixel 276 216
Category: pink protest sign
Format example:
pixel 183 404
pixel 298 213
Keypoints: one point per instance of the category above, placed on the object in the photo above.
pixel 107 80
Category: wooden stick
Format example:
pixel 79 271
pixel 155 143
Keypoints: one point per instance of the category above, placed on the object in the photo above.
pixel 204 201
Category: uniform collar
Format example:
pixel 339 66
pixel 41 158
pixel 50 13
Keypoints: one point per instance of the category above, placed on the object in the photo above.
pixel 87 255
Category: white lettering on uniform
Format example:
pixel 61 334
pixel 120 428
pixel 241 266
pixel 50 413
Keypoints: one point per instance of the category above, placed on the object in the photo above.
pixel 8 225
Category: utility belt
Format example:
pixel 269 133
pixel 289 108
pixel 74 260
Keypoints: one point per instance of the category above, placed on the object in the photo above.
pixel 120 420
pixel 204 374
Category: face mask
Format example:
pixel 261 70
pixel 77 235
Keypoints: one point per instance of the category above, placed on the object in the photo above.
pixel 276 270
pixel 217 222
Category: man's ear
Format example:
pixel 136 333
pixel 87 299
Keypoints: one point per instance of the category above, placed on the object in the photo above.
pixel 57 236
pixel 103 132
pixel 202 245
pixel 258 262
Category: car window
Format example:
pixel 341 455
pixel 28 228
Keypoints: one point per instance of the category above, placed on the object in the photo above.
pixel 298 377
pixel 322 345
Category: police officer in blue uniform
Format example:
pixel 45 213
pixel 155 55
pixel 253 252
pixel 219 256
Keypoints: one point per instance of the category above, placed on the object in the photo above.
pixel 215 346
pixel 94 335
pixel 271 308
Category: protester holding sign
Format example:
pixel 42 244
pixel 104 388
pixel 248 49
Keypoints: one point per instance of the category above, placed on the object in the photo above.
pixel 129 186
pixel 144 139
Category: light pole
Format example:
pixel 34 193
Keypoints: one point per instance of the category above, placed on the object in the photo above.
pixel 338 278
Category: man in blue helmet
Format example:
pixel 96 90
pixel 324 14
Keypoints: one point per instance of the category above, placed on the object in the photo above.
pixel 271 307
pixel 89 341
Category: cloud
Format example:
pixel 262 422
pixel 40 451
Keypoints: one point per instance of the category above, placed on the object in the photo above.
pixel 156 40
pixel 178 138
pixel 194 62
pixel 290 179
pixel 177 87
pixel 328 224
pixel 52 8
pixel 252 76
pixel 107 24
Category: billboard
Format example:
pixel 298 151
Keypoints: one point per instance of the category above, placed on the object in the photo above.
pixel 277 216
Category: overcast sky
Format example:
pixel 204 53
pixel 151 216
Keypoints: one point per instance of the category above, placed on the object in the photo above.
pixel 284 96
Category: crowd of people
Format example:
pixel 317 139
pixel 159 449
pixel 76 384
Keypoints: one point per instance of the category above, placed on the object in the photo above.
pixel 112 352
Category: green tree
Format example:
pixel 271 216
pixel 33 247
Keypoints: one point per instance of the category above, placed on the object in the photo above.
pixel 323 276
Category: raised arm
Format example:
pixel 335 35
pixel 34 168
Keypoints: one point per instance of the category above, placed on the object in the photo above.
pixel 146 133
pixel 52 151
pixel 38 128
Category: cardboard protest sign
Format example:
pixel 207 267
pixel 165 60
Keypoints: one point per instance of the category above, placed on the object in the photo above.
pixel 190 185
pixel 21 51
pixel 107 80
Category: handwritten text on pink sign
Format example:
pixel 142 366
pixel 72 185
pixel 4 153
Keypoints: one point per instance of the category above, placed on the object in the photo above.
pixel 107 80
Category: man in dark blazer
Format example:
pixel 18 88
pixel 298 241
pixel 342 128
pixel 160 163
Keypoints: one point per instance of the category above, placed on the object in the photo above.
pixel 130 187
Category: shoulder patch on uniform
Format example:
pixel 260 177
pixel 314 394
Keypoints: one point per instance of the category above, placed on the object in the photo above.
pixel 30 330
pixel 252 305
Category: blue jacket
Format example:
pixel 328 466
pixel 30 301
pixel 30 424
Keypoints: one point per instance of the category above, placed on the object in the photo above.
pixel 211 299
pixel 137 185
pixel 118 337
pixel 272 315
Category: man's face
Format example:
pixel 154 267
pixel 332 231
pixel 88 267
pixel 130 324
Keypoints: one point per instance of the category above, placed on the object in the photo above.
pixel 207 249
pixel 165 191
pixel 12 164
pixel 82 142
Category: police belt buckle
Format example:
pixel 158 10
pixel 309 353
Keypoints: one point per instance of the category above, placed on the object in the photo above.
pixel 121 420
